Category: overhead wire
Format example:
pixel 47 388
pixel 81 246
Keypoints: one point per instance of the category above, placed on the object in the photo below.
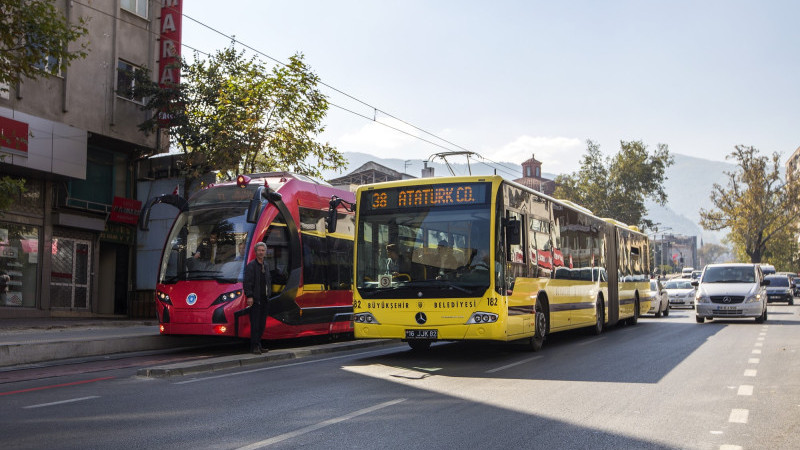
pixel 375 109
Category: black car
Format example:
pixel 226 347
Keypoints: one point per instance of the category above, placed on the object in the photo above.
pixel 780 289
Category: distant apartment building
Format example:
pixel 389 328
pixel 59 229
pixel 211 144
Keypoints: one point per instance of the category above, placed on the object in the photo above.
pixel 793 170
pixel 68 241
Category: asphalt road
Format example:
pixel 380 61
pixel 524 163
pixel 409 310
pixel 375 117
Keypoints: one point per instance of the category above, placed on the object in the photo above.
pixel 664 383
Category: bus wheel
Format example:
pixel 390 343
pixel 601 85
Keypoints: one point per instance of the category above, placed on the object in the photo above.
pixel 419 345
pixel 635 319
pixel 540 333
pixel 601 317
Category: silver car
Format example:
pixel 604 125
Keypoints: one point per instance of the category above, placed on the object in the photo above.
pixel 731 290
pixel 680 292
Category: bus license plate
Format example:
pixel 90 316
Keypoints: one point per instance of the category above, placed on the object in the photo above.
pixel 422 334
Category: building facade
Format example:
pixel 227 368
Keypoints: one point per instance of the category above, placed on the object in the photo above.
pixel 68 241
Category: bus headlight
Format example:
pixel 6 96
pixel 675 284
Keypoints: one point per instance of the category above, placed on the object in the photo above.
pixel 365 317
pixel 228 297
pixel 482 317
pixel 163 298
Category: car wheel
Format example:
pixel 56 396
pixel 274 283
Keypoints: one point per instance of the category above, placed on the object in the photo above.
pixel 699 319
pixel 666 311
pixel 762 318
pixel 791 302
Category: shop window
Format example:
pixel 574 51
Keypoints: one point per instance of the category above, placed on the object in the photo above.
pixel 19 264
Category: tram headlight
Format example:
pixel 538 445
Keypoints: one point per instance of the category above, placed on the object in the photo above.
pixel 365 317
pixel 482 317
pixel 228 297
pixel 163 298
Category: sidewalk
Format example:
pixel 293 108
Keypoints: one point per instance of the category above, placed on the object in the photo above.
pixel 32 341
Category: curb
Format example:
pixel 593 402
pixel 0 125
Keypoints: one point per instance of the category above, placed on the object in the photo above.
pixel 244 360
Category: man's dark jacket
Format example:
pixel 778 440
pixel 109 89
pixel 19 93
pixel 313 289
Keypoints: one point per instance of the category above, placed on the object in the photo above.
pixel 257 283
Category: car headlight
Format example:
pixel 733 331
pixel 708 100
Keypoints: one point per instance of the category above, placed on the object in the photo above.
pixel 702 298
pixel 753 298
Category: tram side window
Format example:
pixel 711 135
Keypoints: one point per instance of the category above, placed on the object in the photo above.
pixel 277 240
pixel 314 262
pixel 340 267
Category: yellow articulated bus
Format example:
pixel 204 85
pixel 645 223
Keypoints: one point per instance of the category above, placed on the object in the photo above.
pixel 480 257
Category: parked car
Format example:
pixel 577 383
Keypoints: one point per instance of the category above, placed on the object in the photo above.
pixel 731 290
pixel 780 289
pixel 696 274
pixel 767 269
pixel 659 299
pixel 680 292
pixel 687 272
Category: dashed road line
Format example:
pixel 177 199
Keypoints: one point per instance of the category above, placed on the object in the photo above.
pixel 72 400
pixel 745 389
pixel 753 361
pixel 750 372
pixel 507 366
pixel 739 415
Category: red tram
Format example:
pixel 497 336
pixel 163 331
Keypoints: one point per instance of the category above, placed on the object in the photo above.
pixel 199 286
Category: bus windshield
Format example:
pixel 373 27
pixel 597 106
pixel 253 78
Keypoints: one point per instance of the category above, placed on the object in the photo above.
pixel 424 252
pixel 206 244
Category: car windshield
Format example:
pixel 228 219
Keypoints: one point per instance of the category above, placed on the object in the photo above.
pixel 678 284
pixel 778 281
pixel 729 274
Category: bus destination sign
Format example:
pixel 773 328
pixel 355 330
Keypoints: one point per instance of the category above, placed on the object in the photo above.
pixel 428 196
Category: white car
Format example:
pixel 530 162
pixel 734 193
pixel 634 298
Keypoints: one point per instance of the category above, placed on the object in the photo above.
pixel 680 292
pixel 659 300
pixel 731 290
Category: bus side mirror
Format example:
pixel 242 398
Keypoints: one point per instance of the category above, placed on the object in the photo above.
pixel 513 235
pixel 330 221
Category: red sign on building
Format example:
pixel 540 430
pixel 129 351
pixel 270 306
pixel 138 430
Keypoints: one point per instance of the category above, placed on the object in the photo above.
pixel 169 53
pixel 13 135
pixel 125 210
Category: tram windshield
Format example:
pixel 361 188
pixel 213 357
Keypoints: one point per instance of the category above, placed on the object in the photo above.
pixel 207 244
pixel 432 252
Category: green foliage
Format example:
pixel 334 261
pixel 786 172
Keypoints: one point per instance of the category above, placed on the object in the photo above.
pixel 31 31
pixel 233 115
pixel 618 186
pixel 10 189
pixel 757 206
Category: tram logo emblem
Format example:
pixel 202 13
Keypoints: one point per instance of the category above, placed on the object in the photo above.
pixel 421 318
pixel 191 299
pixel 726 299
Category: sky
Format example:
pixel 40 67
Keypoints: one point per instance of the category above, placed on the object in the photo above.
pixel 512 79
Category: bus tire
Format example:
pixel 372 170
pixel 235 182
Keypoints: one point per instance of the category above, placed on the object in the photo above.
pixel 600 320
pixel 635 319
pixel 537 340
pixel 420 345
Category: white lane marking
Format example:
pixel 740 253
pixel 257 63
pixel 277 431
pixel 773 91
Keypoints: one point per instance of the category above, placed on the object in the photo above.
pixel 756 352
pixel 730 447
pixel 759 344
pixel 310 428
pixel 761 338
pixel 750 372
pixel 762 334
pixel 745 389
pixel 739 415
pixel 276 367
pixel 753 361
pixel 507 366
pixel 591 341
pixel 72 400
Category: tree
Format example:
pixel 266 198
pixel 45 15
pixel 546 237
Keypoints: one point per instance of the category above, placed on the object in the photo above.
pixel 33 32
pixel 757 206
pixel 617 187
pixel 711 253
pixel 231 114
